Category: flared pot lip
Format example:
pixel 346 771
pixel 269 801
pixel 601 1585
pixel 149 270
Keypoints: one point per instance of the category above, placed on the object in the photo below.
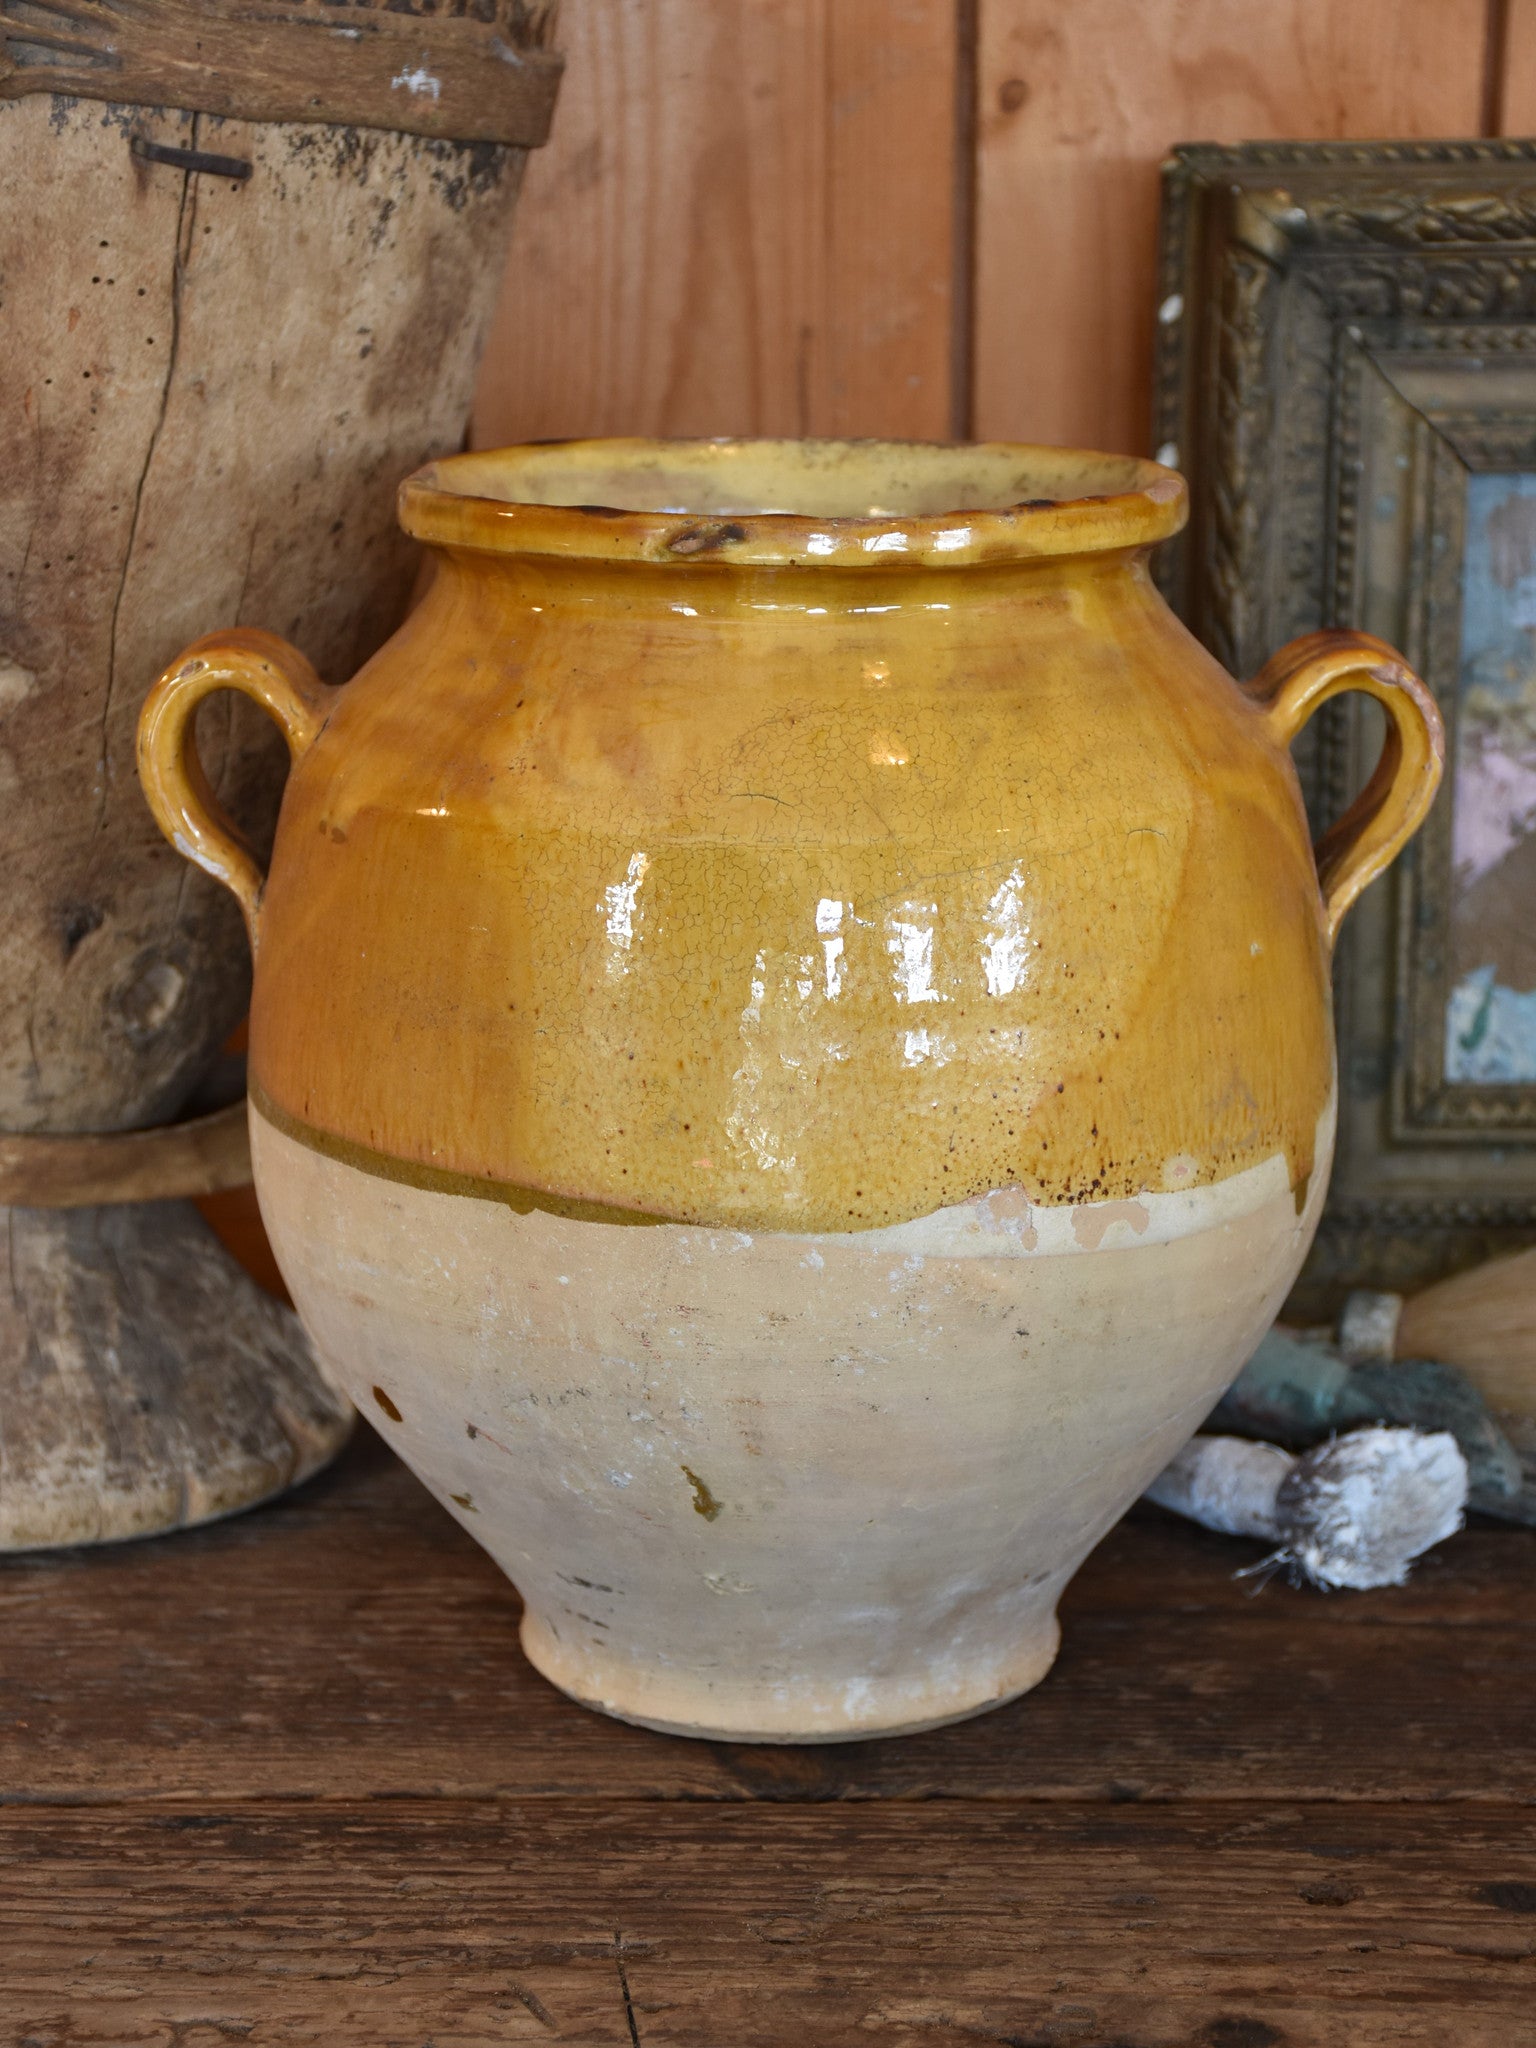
pixel 780 503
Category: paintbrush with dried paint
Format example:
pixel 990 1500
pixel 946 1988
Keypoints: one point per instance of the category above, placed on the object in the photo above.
pixel 1354 1511
pixel 1298 1389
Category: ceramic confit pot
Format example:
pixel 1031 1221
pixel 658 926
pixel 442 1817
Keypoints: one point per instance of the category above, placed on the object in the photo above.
pixel 791 1056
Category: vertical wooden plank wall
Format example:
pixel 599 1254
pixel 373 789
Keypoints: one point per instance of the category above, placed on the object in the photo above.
pixel 743 224
pixel 1077 104
pixel 1512 68
pixel 922 217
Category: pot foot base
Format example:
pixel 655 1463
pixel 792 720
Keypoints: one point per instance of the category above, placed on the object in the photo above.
pixel 146 1382
pixel 719 1709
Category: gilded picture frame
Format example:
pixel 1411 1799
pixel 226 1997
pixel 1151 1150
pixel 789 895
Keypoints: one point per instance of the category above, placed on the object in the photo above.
pixel 1346 373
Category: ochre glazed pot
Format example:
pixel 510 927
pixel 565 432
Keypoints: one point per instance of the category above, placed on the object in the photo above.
pixel 791 1052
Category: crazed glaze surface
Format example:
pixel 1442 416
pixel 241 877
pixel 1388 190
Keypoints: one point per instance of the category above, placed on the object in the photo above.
pixel 697 882
pixel 791 1055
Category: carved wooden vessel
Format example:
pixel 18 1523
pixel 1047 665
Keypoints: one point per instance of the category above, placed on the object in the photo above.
pixel 239 305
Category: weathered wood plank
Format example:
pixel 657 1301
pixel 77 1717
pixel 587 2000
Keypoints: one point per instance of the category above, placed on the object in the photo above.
pixel 743 224
pixel 1513 86
pixel 352 1642
pixel 904 1924
pixel 447 74
pixel 1078 104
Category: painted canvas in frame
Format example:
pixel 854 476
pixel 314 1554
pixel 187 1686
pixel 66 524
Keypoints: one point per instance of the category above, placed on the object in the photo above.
pixel 1490 1012
pixel 1347 375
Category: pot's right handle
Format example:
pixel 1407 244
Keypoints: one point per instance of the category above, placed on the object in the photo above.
pixel 275 676
pixel 1392 805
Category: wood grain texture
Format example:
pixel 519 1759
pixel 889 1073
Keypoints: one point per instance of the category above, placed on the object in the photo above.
pixel 145 1382
pixel 120 974
pixel 211 387
pixel 449 73
pixel 743 224
pixel 286 1780
pixel 168 467
pixel 366 1648
pixel 1512 87
pixel 1077 106
pixel 200 1156
pixel 597 1920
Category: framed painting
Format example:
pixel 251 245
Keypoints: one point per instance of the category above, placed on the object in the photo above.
pixel 1347 375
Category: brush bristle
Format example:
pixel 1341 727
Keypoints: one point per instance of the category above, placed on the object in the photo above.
pixel 1484 1322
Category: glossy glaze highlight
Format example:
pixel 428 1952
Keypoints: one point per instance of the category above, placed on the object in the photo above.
pixel 796 857
pixel 791 1056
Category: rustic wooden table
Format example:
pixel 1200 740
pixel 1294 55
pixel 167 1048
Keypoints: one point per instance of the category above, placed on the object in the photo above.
pixel 287 1780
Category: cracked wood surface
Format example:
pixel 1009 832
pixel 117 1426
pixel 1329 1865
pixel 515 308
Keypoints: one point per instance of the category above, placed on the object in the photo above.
pixel 213 387
pixel 603 1920
pixel 287 1780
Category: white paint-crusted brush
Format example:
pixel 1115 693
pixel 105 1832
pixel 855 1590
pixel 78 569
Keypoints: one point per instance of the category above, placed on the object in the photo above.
pixel 1354 1512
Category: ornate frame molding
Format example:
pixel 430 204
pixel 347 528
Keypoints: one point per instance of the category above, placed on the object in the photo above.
pixel 1347 332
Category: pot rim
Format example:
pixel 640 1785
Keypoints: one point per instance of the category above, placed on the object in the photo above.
pixel 701 502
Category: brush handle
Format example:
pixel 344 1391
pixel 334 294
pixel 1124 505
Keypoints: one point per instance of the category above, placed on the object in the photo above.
pixel 1225 1483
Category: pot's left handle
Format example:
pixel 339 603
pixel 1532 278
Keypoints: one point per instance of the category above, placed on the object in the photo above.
pixel 275 676
pixel 1392 806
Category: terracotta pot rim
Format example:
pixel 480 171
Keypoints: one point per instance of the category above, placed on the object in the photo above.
pixel 790 503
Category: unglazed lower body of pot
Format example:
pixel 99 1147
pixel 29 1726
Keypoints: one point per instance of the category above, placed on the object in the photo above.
pixel 777 1487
